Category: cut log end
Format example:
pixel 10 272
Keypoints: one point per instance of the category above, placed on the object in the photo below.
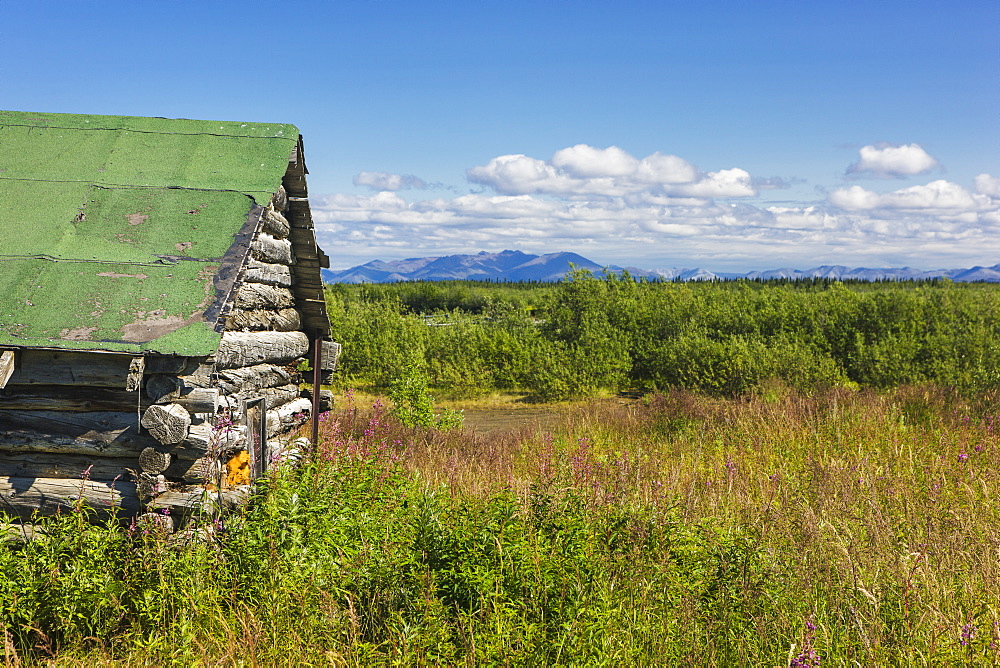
pixel 168 423
pixel 153 461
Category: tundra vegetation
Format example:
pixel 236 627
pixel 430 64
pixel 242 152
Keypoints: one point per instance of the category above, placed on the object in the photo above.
pixel 845 512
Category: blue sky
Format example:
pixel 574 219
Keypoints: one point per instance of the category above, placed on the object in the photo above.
pixel 724 135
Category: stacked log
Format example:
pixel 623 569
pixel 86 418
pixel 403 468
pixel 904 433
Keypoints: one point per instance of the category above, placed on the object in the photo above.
pixel 257 359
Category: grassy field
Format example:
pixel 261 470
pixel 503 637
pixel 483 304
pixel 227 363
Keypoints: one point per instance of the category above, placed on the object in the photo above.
pixel 779 528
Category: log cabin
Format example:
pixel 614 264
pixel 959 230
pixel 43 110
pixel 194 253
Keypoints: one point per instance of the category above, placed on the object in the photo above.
pixel 160 299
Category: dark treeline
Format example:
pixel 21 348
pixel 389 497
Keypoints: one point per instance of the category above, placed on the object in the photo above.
pixel 587 334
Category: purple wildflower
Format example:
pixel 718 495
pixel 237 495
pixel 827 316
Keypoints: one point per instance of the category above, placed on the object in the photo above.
pixel 968 634
pixel 808 657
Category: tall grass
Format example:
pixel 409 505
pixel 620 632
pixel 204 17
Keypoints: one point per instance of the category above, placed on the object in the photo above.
pixel 776 529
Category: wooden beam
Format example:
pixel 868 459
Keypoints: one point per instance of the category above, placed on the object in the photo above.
pixel 285 320
pixel 107 426
pixel 252 296
pixel 250 378
pixel 202 440
pixel 58 367
pixel 83 399
pixel 268 274
pixel 25 440
pixel 49 496
pixel 330 356
pixel 239 349
pixel 52 465
pixel 288 416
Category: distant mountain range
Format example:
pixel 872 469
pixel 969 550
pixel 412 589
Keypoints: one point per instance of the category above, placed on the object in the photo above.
pixel 511 265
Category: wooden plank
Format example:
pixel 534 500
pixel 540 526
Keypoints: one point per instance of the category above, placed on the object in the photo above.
pixel 105 426
pixel 52 465
pixel 6 367
pixel 127 445
pixel 49 496
pixel 58 367
pixel 314 303
pixel 70 398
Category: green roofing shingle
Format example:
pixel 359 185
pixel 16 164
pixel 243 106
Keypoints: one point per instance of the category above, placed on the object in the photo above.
pixel 125 232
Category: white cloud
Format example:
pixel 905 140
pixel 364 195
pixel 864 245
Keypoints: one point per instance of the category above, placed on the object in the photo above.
pixel 586 162
pixel 854 198
pixel 387 181
pixel 892 161
pixel 583 171
pixel 935 197
pixel 521 175
pixel 724 183
pixel 665 169
pixel 988 185
pixel 637 211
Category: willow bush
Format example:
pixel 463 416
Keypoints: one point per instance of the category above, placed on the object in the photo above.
pixel 587 334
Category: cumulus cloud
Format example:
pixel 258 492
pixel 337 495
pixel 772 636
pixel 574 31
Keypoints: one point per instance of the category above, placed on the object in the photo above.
pixel 628 210
pixel 936 196
pixel 584 171
pixel 854 198
pixel 885 160
pixel 586 162
pixel 387 181
pixel 988 185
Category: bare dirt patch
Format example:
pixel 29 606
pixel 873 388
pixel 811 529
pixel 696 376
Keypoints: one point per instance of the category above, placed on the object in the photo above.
pixel 505 419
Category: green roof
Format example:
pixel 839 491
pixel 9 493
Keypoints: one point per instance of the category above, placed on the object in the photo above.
pixel 125 234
